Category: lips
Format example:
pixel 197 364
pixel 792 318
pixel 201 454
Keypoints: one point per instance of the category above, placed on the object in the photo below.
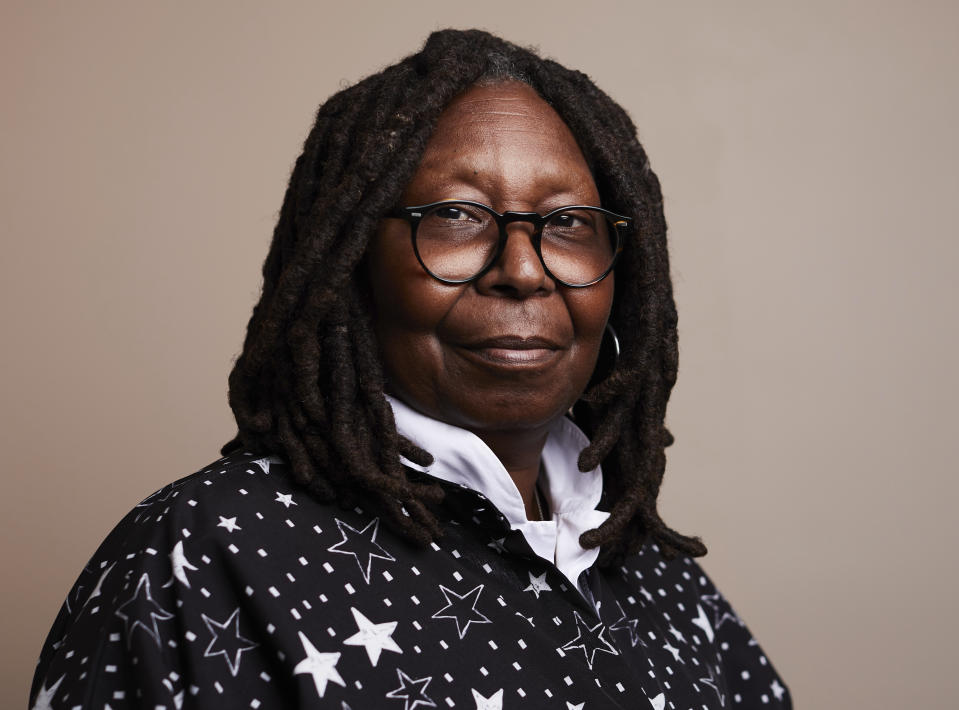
pixel 514 350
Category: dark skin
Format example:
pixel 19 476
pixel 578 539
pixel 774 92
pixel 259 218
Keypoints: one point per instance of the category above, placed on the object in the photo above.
pixel 508 354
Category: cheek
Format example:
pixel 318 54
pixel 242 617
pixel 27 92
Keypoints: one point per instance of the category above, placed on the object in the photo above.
pixel 407 310
pixel 400 296
pixel 590 312
pixel 406 349
pixel 404 319
pixel 589 309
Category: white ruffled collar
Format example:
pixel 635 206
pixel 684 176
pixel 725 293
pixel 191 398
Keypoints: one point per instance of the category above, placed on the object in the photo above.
pixel 459 456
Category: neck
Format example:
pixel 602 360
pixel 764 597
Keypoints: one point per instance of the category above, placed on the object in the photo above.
pixel 521 455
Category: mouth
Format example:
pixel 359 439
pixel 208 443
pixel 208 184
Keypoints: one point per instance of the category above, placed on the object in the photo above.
pixel 514 350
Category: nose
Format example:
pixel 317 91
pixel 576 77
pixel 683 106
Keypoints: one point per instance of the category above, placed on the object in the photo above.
pixel 518 272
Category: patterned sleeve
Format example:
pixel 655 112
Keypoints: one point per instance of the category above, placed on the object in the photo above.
pixel 154 618
pixel 750 678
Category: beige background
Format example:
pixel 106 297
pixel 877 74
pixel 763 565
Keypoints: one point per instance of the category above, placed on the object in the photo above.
pixel 809 157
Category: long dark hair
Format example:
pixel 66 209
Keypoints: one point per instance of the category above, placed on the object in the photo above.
pixel 309 384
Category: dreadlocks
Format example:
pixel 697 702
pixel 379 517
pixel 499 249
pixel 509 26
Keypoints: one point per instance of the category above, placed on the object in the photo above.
pixel 309 384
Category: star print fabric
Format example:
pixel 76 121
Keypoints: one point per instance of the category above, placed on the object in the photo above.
pixel 234 588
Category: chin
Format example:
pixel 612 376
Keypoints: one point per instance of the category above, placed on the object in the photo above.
pixel 509 411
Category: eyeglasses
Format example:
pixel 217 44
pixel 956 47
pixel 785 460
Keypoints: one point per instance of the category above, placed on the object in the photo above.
pixel 457 241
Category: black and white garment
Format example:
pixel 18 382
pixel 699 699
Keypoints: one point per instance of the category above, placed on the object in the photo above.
pixel 233 588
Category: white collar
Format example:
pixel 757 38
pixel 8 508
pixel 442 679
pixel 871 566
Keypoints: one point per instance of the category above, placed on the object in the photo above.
pixel 459 456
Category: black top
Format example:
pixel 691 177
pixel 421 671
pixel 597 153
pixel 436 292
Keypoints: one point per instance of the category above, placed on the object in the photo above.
pixel 233 588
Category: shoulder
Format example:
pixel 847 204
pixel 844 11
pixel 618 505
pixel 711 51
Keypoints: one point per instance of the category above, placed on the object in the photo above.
pixel 227 521
pixel 214 502
pixel 237 476
pixel 694 614
pixel 228 584
pixel 176 583
pixel 194 511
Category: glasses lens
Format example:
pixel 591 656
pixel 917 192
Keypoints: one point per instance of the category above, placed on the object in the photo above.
pixel 579 245
pixel 456 241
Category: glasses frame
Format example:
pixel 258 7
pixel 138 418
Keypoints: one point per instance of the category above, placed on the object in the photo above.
pixel 414 214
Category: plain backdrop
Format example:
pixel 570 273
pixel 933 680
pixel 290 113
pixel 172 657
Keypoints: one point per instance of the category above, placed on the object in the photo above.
pixel 808 155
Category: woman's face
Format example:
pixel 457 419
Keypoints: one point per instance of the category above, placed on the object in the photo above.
pixel 511 350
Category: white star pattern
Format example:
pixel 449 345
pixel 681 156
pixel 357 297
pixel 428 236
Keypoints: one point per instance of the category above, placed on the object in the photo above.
pixel 143 612
pixel 538 584
pixel 462 609
pixel 590 639
pixel 676 633
pixel 99 586
pixel 227 640
pixel 285 498
pixel 228 523
pixel 703 622
pixel 45 695
pixel 528 619
pixel 412 692
pixel 322 666
pixel 246 616
pixel 493 702
pixel 160 496
pixel 629 625
pixel 375 638
pixel 180 565
pixel 721 612
pixel 713 682
pixel 265 462
pixel 361 543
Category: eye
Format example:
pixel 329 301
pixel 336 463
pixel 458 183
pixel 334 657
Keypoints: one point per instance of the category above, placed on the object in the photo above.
pixel 566 220
pixel 455 213
pixel 576 220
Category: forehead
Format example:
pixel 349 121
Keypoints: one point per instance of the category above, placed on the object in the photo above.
pixel 511 100
pixel 504 133
pixel 505 109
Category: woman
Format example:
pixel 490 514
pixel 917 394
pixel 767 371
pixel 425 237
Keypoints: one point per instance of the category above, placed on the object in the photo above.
pixel 408 514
